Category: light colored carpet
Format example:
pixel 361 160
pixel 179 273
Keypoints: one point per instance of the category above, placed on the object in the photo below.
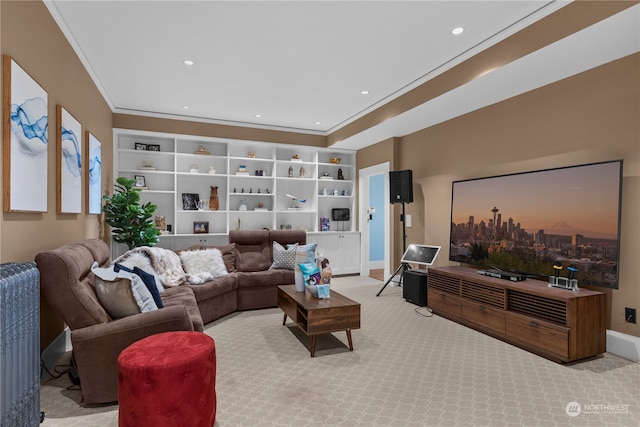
pixel 405 370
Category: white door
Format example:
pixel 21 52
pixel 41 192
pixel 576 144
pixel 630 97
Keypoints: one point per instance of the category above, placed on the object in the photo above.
pixel 374 217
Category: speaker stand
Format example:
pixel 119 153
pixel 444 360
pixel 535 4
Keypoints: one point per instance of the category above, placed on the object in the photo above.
pixel 403 266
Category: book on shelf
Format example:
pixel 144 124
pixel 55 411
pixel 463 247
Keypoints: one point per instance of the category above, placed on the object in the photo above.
pixel 325 224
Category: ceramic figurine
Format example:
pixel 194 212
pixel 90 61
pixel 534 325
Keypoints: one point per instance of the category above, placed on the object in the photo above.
pixel 161 222
pixel 340 175
pixel 202 150
pixel 290 173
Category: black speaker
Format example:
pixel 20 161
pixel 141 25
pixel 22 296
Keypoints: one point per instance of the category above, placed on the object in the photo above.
pixel 401 186
pixel 414 287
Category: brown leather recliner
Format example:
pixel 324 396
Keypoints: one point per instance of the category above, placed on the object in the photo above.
pixel 66 282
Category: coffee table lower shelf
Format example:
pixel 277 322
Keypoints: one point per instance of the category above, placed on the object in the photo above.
pixel 319 316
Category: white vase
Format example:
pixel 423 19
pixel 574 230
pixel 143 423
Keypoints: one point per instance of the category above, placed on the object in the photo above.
pixel 299 281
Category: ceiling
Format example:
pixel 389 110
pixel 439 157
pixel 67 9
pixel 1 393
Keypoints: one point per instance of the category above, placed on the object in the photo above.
pixel 302 65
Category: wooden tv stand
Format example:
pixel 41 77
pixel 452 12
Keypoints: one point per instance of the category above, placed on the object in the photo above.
pixel 561 325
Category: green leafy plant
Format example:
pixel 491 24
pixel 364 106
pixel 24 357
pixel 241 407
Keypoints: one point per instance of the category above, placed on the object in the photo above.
pixel 131 223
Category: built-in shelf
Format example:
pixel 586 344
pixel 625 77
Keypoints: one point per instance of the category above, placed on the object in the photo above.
pixel 268 168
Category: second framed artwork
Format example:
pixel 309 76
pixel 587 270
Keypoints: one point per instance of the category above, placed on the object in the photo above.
pixel 69 162
pixel 93 174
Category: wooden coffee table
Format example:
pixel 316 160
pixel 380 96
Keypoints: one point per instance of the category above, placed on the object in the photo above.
pixel 319 316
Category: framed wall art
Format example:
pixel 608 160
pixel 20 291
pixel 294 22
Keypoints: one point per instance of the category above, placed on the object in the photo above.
pixel 25 141
pixel 69 162
pixel 93 174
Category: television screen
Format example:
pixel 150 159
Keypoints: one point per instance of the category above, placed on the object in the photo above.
pixel 527 222
pixel 340 214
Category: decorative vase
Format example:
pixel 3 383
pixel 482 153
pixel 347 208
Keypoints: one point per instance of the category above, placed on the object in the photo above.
pixel 214 203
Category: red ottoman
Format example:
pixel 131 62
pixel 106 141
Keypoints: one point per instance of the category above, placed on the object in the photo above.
pixel 168 379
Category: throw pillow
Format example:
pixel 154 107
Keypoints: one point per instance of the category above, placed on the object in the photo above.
pixel 204 261
pixel 309 251
pixel 284 258
pixel 305 254
pixel 148 279
pixel 121 293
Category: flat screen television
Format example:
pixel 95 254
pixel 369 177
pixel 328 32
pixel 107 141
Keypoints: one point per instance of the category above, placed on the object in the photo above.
pixel 340 214
pixel 527 222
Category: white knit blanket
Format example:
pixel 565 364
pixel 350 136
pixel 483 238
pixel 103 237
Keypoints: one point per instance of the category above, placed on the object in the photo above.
pixel 167 266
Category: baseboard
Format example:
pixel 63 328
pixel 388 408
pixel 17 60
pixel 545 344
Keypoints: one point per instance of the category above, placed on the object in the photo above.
pixel 51 355
pixel 623 345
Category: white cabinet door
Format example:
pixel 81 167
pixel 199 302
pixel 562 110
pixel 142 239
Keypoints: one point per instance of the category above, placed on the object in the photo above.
pixel 349 244
pixel 342 250
pixel 205 240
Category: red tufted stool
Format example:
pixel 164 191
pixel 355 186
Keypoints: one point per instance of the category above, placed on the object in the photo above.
pixel 168 379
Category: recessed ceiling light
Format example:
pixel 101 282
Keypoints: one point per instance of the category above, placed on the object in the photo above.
pixel 317 123
pixel 185 107
pixel 187 62
pixel 456 31
pixel 365 92
pixel 258 115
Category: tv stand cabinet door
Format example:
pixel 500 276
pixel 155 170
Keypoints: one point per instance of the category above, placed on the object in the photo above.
pixel 538 336
pixel 486 318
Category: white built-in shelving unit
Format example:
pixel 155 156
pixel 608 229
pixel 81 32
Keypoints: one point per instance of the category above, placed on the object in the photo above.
pixel 274 172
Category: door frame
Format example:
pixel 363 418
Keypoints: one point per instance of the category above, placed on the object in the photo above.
pixel 364 175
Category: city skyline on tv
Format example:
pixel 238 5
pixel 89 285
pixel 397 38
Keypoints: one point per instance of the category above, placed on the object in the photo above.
pixel 565 201
pixel 531 221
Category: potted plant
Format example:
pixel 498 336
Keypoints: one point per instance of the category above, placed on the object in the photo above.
pixel 131 223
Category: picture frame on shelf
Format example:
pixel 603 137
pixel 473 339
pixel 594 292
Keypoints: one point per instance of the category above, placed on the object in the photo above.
pixel 200 227
pixel 139 146
pixel 190 201
pixel 153 147
pixel 140 181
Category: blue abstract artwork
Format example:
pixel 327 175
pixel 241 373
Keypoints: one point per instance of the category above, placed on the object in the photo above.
pixel 25 181
pixel 70 167
pixel 94 174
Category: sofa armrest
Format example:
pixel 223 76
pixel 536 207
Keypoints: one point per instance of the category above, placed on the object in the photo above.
pixel 96 348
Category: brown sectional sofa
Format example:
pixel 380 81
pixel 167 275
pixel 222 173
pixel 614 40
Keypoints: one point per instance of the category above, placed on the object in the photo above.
pixel 251 283
pixel 66 283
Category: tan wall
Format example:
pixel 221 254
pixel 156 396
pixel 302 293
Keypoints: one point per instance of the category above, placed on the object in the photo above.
pixel 587 118
pixel 32 38
pixel 216 130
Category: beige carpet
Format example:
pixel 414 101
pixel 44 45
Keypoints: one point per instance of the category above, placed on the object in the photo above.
pixel 405 370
